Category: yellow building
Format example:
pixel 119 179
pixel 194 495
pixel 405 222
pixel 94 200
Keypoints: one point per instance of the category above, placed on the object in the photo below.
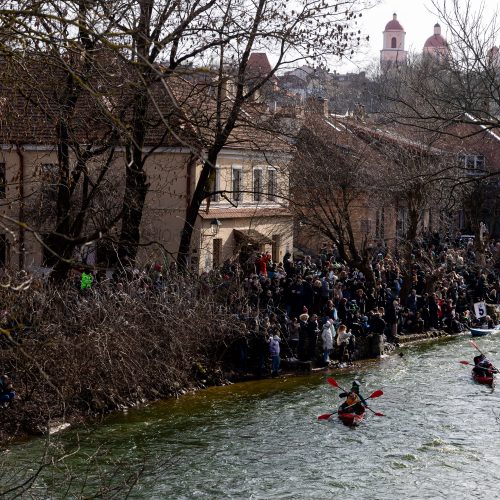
pixel 246 213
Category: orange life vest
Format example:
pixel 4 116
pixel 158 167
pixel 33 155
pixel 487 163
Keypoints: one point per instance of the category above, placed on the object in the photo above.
pixel 352 399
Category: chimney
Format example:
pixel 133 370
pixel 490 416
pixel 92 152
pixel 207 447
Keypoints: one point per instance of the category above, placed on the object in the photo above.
pixel 317 105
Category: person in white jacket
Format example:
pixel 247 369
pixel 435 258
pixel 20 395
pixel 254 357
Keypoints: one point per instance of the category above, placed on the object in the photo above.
pixel 343 337
pixel 327 336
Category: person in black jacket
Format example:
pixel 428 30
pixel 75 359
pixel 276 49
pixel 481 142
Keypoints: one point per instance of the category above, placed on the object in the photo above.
pixel 312 336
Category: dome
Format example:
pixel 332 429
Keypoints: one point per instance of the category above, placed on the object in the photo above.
pixel 394 25
pixel 435 42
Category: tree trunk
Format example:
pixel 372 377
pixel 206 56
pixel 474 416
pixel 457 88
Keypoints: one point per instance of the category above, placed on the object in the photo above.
pixel 136 185
pixel 193 209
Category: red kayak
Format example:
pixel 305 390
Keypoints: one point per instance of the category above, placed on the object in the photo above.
pixel 488 380
pixel 351 419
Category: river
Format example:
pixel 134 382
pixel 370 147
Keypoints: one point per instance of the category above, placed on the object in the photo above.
pixel 439 438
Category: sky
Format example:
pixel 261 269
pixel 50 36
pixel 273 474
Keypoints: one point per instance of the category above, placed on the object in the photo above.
pixel 417 18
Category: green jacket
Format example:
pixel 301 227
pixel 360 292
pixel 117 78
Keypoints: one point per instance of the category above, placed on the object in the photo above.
pixel 86 281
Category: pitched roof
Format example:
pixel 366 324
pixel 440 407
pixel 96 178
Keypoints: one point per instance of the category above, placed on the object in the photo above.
pixel 35 96
pixel 259 63
pixel 253 129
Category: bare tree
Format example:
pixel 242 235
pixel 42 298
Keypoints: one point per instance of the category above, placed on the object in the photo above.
pixel 313 31
pixel 335 184
pixel 72 108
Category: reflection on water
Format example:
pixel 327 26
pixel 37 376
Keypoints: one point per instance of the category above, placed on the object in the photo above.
pixel 439 439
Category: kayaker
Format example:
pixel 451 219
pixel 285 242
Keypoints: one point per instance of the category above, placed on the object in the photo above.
pixel 355 403
pixel 483 366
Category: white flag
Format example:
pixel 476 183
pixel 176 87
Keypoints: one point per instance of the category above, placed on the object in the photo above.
pixel 480 309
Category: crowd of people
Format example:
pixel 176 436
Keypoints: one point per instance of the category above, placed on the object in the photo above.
pixel 319 309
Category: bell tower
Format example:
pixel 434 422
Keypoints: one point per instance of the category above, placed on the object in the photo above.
pixel 393 52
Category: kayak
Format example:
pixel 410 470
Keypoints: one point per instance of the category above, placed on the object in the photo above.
pixel 488 380
pixel 481 332
pixel 351 419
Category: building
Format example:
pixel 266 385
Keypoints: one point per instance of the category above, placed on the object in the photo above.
pixel 393 52
pixel 245 214
pixel 436 46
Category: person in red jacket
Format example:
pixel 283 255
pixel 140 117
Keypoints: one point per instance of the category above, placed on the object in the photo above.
pixel 263 261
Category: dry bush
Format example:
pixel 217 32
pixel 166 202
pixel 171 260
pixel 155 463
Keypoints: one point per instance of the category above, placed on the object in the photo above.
pixel 73 354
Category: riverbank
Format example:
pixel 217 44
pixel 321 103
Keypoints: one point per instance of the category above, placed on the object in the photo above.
pixel 75 355
pixel 21 419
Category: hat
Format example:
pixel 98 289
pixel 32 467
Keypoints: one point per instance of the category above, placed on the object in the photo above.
pixel 304 317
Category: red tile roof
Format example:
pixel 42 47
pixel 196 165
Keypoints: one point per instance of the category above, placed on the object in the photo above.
pixel 259 63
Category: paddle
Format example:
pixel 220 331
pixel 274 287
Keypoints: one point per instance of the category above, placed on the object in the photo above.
pixel 472 364
pixel 374 395
pixel 334 383
pixel 480 352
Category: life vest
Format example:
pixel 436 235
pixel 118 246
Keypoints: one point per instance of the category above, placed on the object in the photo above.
pixel 352 399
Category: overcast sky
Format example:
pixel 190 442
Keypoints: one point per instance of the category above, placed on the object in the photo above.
pixel 416 17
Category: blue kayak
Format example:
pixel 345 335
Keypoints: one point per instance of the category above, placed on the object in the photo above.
pixel 481 332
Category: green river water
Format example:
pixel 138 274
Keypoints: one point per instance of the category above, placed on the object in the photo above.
pixel 440 437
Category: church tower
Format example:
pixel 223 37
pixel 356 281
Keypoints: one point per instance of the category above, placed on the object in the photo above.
pixel 436 46
pixel 394 52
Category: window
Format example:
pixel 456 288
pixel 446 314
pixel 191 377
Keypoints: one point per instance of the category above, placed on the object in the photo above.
pixel 401 222
pixel 393 42
pixel 276 238
pixel 2 180
pixel 272 184
pixel 50 174
pixel 365 226
pixel 216 185
pixel 474 164
pixel 237 179
pixel 380 224
pixel 257 184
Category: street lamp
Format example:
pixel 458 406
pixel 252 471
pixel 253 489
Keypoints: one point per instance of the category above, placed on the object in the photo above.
pixel 214 226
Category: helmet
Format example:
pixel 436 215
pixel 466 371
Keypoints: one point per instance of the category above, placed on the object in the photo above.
pixel 356 383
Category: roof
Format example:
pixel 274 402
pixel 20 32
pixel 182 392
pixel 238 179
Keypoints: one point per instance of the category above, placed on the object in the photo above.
pixel 251 236
pixel 256 211
pixel 31 106
pixel 259 63
pixel 253 129
pixel 394 25
pixel 182 111
pixel 436 41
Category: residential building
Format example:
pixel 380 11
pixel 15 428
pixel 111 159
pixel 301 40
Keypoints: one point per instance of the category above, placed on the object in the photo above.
pixel 244 214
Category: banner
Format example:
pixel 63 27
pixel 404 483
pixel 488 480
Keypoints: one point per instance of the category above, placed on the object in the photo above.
pixel 480 309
